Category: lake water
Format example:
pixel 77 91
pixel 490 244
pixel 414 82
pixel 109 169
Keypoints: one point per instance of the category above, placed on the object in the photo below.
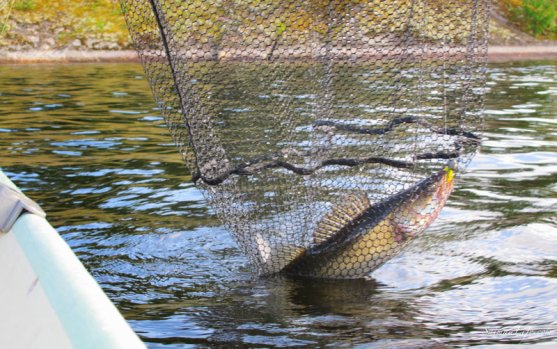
pixel 86 142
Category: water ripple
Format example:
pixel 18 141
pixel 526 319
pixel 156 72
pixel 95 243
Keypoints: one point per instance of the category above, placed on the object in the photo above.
pixel 94 153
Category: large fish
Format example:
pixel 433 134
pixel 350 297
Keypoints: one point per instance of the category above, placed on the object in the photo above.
pixel 356 236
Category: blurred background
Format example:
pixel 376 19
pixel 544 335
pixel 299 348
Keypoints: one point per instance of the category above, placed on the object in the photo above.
pixel 99 24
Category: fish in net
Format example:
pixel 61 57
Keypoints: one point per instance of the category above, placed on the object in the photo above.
pixel 325 134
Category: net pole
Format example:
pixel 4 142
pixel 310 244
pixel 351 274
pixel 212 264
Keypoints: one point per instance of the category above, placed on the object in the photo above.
pixel 181 98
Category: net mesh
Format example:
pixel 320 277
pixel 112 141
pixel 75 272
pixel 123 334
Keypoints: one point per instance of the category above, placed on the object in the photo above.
pixel 326 134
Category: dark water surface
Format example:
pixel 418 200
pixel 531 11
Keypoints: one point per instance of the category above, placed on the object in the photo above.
pixel 86 142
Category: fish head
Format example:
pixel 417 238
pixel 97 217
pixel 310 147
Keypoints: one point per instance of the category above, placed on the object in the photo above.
pixel 425 203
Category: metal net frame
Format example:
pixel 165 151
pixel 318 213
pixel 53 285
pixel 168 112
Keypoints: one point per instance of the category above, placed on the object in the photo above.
pixel 326 134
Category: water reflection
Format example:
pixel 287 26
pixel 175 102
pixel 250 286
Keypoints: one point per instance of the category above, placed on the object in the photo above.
pixel 126 206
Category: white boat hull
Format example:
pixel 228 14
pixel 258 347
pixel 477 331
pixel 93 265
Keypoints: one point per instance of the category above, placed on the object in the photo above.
pixel 47 297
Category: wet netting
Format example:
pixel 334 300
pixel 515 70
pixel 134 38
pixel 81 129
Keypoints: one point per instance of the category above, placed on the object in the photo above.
pixel 325 134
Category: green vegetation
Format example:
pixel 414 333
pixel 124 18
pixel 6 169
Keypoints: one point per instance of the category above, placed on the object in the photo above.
pixel 5 10
pixel 25 5
pixel 61 23
pixel 537 17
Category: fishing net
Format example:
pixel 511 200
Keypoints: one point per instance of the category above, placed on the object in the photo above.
pixel 325 134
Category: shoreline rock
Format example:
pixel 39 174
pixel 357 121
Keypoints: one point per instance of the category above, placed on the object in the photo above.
pixel 495 54
pixel 68 56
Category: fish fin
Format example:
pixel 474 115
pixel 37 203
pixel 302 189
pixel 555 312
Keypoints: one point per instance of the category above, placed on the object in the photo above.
pixel 341 215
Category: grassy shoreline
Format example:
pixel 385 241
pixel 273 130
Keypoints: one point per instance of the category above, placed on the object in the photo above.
pixel 54 27
pixel 100 24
